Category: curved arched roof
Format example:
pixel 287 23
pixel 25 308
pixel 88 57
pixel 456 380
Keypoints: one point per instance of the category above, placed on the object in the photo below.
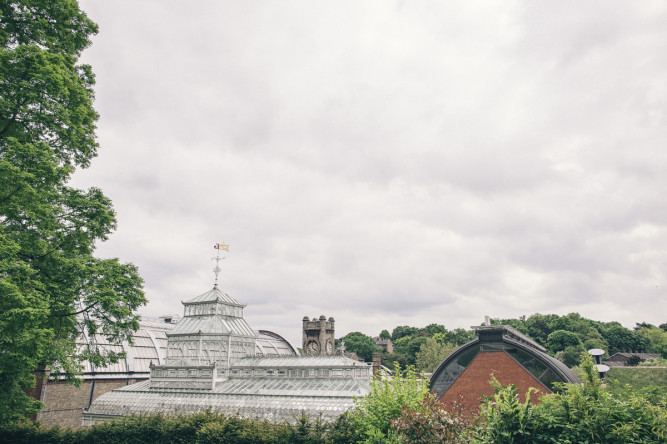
pixel 522 349
pixel 149 345
pixel 269 343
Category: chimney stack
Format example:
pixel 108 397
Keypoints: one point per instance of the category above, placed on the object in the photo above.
pixel 377 363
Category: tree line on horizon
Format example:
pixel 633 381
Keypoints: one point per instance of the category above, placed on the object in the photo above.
pixel 564 337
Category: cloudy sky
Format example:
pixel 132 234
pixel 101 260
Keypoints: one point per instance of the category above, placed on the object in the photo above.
pixel 387 162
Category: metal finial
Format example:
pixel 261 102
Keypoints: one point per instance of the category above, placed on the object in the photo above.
pixel 217 259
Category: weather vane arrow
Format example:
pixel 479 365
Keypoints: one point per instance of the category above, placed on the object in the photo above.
pixel 217 259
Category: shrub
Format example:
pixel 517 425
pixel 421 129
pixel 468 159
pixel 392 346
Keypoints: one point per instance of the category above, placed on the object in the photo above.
pixel 588 413
pixel 233 430
pixel 634 360
pixel 431 423
pixel 505 418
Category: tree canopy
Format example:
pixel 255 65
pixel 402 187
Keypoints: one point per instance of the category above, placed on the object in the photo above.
pixel 363 345
pixel 560 339
pixel 402 331
pixel 52 286
pixel 432 353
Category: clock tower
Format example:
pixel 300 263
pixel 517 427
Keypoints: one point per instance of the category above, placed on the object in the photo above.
pixel 318 336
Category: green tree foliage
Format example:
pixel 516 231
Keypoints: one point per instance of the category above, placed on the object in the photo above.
pixel 409 346
pixel 384 334
pixel 538 327
pixel 519 324
pixel 440 337
pixel 373 414
pixel 621 339
pixel 593 339
pixel 657 338
pixel 409 340
pixel 633 360
pixel 571 355
pixel 402 331
pixel 432 329
pixel 51 284
pixel 432 353
pixel 390 360
pixel 560 339
pixel 363 345
pixel 640 325
pixel 459 336
pixel 609 336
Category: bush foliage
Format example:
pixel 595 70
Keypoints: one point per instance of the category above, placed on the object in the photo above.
pixel 587 413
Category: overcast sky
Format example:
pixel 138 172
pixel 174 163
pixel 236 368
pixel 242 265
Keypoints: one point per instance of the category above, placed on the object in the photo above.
pixel 387 163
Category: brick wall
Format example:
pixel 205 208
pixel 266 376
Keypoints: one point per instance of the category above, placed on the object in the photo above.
pixel 64 403
pixel 37 392
pixel 474 381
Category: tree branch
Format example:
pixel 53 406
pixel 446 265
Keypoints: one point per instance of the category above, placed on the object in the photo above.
pixel 76 312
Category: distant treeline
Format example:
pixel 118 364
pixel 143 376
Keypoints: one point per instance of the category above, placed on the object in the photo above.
pixel 564 337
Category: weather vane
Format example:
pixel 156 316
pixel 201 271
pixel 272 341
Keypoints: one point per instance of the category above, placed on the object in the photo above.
pixel 217 259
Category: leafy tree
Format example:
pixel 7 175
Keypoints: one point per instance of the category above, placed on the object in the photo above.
pixel 432 353
pixel 571 355
pixel 401 344
pixel 640 325
pixel 432 329
pixel 539 326
pixel 384 334
pixel 441 338
pixel 657 338
pixel 593 339
pixel 392 360
pixel 410 346
pixel 402 331
pixel 459 336
pixel 560 339
pixel 363 345
pixel 563 323
pixel 621 339
pixel 51 285
pixel 519 324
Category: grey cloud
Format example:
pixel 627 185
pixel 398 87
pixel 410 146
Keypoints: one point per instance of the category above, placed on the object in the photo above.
pixel 387 165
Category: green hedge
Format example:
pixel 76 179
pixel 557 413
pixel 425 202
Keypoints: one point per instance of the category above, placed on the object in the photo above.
pixel 204 428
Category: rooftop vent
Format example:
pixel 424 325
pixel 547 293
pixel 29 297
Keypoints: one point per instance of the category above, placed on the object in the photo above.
pixel 599 367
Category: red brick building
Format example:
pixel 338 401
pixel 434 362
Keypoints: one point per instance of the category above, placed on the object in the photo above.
pixel 505 353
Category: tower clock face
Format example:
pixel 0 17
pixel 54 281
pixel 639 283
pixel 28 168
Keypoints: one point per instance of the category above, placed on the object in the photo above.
pixel 312 348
